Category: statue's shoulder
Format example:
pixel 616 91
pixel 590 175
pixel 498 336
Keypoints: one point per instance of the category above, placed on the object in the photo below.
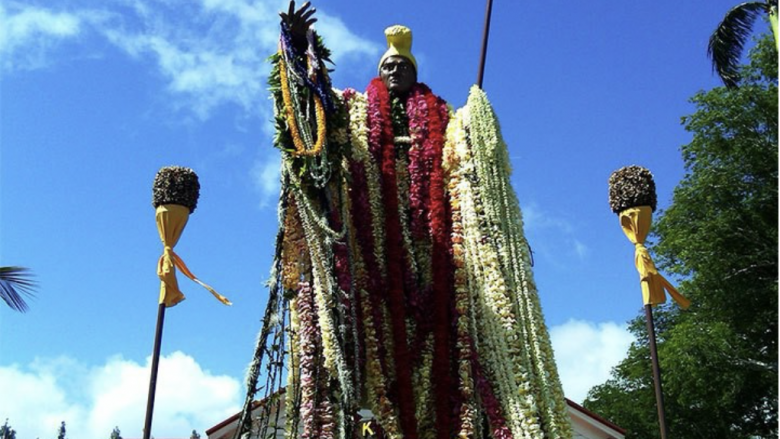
pixel 349 95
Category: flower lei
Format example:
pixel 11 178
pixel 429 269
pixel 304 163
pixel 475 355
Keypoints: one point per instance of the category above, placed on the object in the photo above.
pixel 293 390
pixel 381 144
pixel 492 264
pixel 366 201
pixel 504 211
pixel 467 410
pixel 428 118
pixel 308 345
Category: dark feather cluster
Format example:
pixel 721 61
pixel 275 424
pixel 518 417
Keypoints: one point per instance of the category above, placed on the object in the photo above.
pixel 176 185
pixel 631 186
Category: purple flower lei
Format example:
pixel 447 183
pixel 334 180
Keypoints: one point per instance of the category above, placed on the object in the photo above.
pixel 322 86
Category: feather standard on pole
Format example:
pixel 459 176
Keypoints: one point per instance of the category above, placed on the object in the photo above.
pixel 175 194
pixel 632 197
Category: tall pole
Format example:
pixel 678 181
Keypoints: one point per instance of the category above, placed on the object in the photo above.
pixel 659 395
pixel 155 365
pixel 485 34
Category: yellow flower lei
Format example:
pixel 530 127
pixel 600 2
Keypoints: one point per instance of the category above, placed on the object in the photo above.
pixel 300 145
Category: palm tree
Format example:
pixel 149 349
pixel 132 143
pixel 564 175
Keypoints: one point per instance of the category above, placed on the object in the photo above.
pixel 728 40
pixel 16 282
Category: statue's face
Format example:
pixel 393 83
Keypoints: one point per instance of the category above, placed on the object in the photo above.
pixel 398 74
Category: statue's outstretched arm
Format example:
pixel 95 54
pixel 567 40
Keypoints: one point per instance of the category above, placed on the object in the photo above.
pixel 299 21
pixel 305 102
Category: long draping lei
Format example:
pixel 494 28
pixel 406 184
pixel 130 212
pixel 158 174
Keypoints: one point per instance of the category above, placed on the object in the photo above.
pixel 402 278
pixel 512 358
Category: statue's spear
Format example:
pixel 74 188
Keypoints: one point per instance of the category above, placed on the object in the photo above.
pixel 175 195
pixel 632 197
pixel 485 33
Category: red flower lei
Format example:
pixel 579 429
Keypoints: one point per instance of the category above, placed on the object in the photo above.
pixel 428 117
pixel 382 146
pixel 361 209
pixel 492 406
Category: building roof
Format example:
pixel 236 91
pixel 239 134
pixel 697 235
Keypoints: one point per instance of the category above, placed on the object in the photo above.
pixel 598 418
pixel 572 405
pixel 234 418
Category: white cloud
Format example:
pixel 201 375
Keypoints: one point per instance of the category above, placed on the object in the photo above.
pixel 93 400
pixel 344 44
pixel 265 176
pixel 580 249
pixel 224 61
pixel 209 53
pixel 535 218
pixel 586 352
pixel 558 236
pixel 27 33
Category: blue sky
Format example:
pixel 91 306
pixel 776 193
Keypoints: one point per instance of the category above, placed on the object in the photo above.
pixel 95 97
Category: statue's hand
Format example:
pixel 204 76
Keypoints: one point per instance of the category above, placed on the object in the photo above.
pixel 299 22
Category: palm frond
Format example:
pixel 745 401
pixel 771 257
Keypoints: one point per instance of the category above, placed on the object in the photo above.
pixel 728 40
pixel 16 282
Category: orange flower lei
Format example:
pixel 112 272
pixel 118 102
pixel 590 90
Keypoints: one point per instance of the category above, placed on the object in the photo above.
pixel 300 146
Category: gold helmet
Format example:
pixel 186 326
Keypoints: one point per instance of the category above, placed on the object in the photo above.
pixel 399 43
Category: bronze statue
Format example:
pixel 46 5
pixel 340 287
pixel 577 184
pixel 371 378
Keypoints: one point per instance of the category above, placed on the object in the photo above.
pixel 402 279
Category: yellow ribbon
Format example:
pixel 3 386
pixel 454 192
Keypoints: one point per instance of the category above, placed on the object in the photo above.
pixel 635 223
pixel 171 220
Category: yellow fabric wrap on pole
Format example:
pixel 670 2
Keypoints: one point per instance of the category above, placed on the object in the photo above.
pixel 171 220
pixel 635 223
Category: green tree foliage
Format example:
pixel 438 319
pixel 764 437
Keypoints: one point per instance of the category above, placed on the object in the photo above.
pixel 195 435
pixel 116 434
pixel 719 236
pixel 6 432
pixel 61 431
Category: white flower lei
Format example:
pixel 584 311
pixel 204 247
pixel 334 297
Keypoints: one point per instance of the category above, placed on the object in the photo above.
pixel 504 227
pixel 358 126
pixel 465 332
pixel 334 360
